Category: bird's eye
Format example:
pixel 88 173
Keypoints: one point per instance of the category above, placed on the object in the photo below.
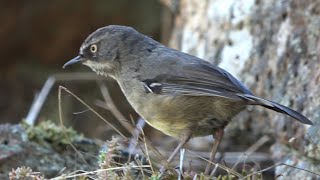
pixel 93 48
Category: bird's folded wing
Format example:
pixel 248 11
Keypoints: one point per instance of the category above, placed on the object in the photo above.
pixel 207 80
pixel 197 80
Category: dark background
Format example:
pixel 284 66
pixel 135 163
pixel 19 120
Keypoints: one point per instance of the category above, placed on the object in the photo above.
pixel 38 37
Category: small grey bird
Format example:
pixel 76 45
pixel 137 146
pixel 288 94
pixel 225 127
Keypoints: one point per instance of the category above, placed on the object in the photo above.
pixel 179 94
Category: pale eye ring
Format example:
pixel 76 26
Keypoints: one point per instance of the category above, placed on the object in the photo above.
pixel 93 48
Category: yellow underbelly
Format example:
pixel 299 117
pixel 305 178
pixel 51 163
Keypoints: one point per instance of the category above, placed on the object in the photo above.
pixel 175 115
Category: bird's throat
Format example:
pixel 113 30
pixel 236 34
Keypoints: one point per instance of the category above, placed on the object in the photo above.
pixel 104 69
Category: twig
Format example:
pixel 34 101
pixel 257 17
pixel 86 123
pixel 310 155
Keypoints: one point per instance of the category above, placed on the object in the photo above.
pixel 217 164
pixel 64 128
pixel 42 96
pixel 39 101
pixel 146 147
pixel 317 174
pixel 97 171
pixel 135 137
pixel 113 109
pixel 252 149
pixel 139 164
pixel 214 170
pixel 136 132
pixel 182 151
pixel 311 140
pixel 109 105
pixel 279 164
pixel 85 104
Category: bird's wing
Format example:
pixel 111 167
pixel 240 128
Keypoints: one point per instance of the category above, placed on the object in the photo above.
pixel 202 79
pixel 196 79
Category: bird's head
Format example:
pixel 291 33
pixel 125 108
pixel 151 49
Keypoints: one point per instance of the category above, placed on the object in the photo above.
pixel 105 49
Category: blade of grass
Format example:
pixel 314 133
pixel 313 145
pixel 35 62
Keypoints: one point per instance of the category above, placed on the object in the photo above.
pixel 64 128
pixel 279 164
pixel 146 147
pixel 62 177
pixel 231 171
pixel 87 106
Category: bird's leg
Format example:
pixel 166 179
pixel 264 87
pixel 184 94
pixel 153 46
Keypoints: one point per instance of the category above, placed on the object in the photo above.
pixel 183 141
pixel 217 139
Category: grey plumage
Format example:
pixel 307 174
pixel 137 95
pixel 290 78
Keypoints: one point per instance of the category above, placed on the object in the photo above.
pixel 175 92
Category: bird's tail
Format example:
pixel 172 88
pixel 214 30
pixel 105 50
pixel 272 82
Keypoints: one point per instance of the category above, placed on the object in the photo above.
pixel 276 107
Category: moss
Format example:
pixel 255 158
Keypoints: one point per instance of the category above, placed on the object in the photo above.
pixel 47 132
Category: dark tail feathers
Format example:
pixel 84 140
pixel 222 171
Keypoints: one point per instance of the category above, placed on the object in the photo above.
pixel 276 107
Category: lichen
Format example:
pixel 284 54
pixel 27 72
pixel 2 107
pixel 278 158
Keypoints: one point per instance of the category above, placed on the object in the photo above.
pixel 47 132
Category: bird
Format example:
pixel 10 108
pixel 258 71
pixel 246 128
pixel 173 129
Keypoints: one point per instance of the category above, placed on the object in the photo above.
pixel 179 94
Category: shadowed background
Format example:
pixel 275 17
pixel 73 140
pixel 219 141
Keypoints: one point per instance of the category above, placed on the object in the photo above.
pixel 38 37
pixel 272 46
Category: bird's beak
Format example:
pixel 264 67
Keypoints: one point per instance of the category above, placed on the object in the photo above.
pixel 72 61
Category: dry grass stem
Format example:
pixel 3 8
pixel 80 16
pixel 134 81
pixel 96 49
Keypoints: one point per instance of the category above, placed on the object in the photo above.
pixel 231 171
pixel 146 147
pixel 87 106
pixel 113 109
pixel 62 124
pixel 63 177
pixel 252 149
